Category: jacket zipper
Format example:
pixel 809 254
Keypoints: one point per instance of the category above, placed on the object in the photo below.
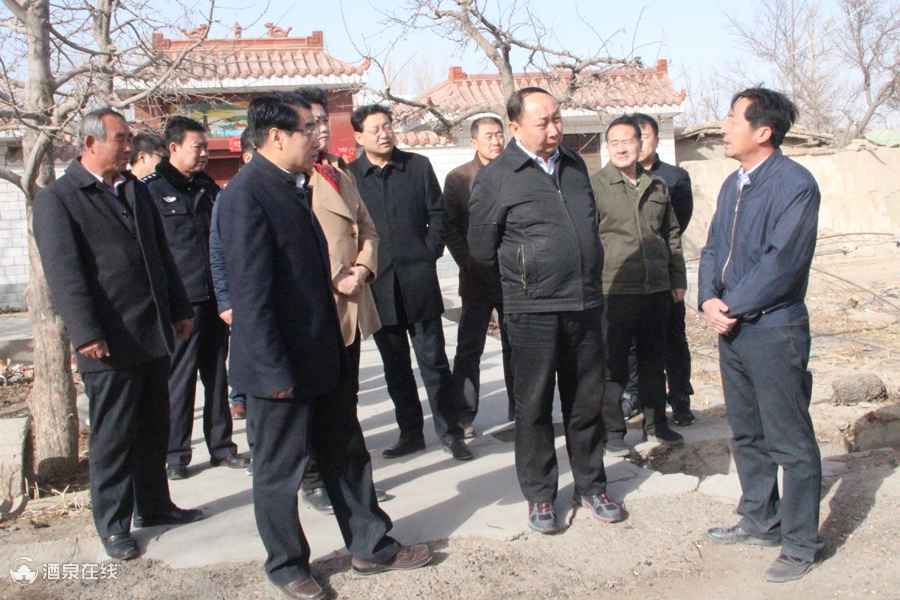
pixel 521 254
pixel 640 236
pixel 733 230
pixel 558 181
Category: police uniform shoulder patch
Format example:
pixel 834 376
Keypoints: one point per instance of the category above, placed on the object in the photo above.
pixel 151 177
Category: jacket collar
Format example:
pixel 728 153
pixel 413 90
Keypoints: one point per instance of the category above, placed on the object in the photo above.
pixel 397 161
pixel 614 175
pixel 84 178
pixel 765 168
pixel 165 170
pixel 269 169
pixel 517 158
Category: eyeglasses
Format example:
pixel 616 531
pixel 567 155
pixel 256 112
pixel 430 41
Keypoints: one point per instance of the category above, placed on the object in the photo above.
pixel 307 130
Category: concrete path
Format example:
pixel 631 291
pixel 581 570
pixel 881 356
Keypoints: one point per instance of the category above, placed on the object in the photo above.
pixel 434 497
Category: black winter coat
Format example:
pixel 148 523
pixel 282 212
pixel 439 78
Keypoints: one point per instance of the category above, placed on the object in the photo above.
pixel 285 331
pixel 186 209
pixel 404 200
pixel 109 269
pixel 539 231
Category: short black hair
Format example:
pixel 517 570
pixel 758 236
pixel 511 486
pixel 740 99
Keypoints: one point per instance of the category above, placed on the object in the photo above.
pixel 768 108
pixel 645 119
pixel 247 143
pixel 629 120
pixel 360 115
pixel 314 95
pixel 516 101
pixel 149 143
pixel 273 111
pixel 178 126
pixel 477 123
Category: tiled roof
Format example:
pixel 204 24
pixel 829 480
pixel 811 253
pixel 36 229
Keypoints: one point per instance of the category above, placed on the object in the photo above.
pixel 612 89
pixel 261 58
pixel 422 139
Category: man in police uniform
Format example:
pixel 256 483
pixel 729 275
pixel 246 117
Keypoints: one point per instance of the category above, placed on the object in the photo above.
pixel 184 196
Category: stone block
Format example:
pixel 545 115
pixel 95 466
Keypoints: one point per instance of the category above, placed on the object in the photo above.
pixel 858 388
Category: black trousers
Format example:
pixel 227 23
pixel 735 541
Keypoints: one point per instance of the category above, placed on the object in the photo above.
pixel 287 433
pixel 643 318
pixel 474 318
pixel 767 394
pixel 205 351
pixel 565 349
pixel 428 343
pixel 678 359
pixel 129 412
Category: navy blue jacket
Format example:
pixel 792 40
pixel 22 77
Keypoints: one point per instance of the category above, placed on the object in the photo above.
pixel 761 244
pixel 285 331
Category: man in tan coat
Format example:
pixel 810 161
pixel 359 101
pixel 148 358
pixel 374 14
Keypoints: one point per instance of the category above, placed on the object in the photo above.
pixel 353 252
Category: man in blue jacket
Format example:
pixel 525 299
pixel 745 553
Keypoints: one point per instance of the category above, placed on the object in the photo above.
pixel 754 272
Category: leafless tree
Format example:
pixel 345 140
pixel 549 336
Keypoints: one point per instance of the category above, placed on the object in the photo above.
pixel 500 32
pixel 56 59
pixel 842 71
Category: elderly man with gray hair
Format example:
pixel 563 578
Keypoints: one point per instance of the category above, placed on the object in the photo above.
pixel 113 281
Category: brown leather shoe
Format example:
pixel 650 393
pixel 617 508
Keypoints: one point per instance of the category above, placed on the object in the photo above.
pixel 409 557
pixel 304 588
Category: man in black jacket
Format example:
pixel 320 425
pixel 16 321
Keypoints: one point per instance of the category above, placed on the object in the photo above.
pixel 404 200
pixel 184 196
pixel 288 356
pixel 113 281
pixel 754 272
pixel 479 298
pixel 533 219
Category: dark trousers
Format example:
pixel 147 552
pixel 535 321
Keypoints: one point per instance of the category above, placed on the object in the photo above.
pixel 312 477
pixel 205 351
pixel 564 348
pixel 678 360
pixel 644 318
pixel 474 319
pixel 428 343
pixel 287 433
pixel 129 412
pixel 767 393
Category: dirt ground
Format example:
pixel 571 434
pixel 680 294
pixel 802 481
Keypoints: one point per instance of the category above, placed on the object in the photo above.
pixel 659 553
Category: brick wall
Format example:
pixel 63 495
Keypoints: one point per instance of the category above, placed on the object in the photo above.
pixel 13 247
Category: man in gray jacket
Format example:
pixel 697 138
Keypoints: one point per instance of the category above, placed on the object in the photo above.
pixel 754 272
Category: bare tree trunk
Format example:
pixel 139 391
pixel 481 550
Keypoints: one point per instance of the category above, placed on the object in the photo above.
pixel 54 418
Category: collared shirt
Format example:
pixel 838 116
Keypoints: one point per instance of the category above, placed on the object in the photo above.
pixel 548 166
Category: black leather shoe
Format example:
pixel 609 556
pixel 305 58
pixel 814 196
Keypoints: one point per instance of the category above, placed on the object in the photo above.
pixel 175 472
pixel 304 588
pixel 542 517
pixel 173 516
pixel 602 507
pixel 664 436
pixel 404 446
pixel 232 460
pixel 121 546
pixel 318 499
pixel 458 449
pixel 738 535
pixel 683 418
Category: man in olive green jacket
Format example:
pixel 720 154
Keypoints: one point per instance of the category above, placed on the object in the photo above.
pixel 642 272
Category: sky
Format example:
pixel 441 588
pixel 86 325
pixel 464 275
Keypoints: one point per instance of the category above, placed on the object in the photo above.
pixel 692 34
